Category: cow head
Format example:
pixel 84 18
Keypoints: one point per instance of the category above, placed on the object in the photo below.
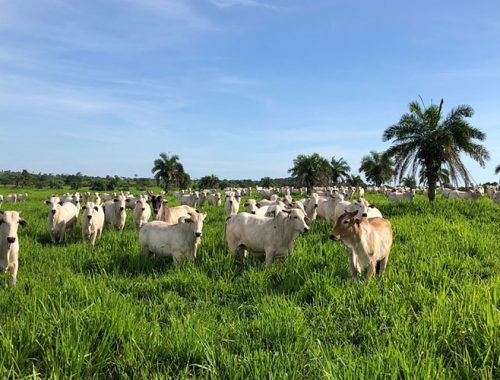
pixel 345 223
pixel 9 223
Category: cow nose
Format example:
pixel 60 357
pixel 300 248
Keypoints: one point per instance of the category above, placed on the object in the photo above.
pixel 89 216
pixel 364 215
pixel 143 208
pixel 306 229
pixel 334 238
pixel 121 208
pixel 315 205
pixel 53 211
pixel 253 212
pixel 11 240
pixel 197 234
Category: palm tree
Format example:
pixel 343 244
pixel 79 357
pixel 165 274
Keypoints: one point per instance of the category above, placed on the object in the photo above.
pixel 443 177
pixel 168 170
pixel 339 170
pixel 422 138
pixel 310 170
pixel 377 167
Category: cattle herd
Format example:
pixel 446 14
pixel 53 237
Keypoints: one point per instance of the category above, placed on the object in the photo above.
pixel 268 227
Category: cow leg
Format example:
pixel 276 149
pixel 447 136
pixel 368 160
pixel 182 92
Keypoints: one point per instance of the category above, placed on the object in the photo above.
pixel 13 273
pixel 269 258
pixel 353 265
pixel 145 250
pixel 372 269
pixel 382 264
pixel 63 233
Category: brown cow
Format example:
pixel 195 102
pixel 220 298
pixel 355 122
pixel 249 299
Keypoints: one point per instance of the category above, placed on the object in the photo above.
pixel 369 241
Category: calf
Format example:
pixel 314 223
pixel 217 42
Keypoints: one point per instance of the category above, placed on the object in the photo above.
pixel 214 199
pixel 9 243
pixel 369 241
pixel 92 222
pixel 179 240
pixel 272 237
pixel 231 204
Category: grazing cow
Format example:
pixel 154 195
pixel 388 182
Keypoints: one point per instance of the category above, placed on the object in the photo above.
pixel 473 195
pixel 61 216
pixel 12 198
pixel 368 240
pixel 92 222
pixel 214 199
pixel 260 235
pixel 22 197
pixel 231 204
pixel 178 240
pixel 114 212
pixel 142 213
pixel 395 196
pixel 171 215
pixel 9 243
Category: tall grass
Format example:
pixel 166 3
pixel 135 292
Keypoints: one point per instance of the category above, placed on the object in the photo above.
pixel 107 312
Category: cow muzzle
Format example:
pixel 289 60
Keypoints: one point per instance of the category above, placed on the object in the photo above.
pixel 53 211
pixel 334 237
pixel 306 230
pixel 253 212
pixel 197 234
pixel 11 240
pixel 121 208
pixel 89 217
pixel 364 215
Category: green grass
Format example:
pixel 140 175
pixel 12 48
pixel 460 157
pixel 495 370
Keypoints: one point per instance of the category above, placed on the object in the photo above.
pixel 107 312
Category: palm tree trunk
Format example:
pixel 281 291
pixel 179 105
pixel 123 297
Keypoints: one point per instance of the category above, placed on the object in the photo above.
pixel 432 188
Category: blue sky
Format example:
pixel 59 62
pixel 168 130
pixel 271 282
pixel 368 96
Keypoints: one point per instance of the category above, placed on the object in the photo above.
pixel 236 88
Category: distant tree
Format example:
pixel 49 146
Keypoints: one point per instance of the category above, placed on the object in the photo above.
pixel 24 179
pixel 423 138
pixel 354 180
pixel 168 171
pixel 266 182
pixel 184 181
pixel 310 170
pixel 410 182
pixel 497 169
pixel 339 170
pixel 225 183
pixel 377 167
pixel 208 182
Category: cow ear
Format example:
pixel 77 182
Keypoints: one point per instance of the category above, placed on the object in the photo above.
pixel 357 221
pixel 23 223
pixel 115 200
pixel 84 207
pixel 371 206
pixel 61 203
pixel 258 205
pixel 246 204
pixel 47 202
pixel 96 208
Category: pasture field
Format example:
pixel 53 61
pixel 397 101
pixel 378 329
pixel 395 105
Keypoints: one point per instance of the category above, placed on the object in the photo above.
pixel 107 312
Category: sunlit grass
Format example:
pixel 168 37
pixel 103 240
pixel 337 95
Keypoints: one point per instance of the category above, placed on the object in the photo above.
pixel 107 312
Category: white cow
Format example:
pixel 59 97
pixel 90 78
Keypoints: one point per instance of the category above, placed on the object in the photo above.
pixel 395 196
pixel 214 199
pixel 327 206
pixel 190 199
pixel 469 195
pixel 202 198
pixel 9 243
pixel 61 216
pixel 114 212
pixel 130 202
pixel 179 240
pixel 92 222
pixel 1 200
pixel 368 240
pixel 260 235
pixel 12 198
pixel 22 197
pixel 231 204
pixel 171 215
pixel 142 213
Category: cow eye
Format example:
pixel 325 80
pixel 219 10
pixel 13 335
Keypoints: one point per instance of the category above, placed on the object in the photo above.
pixel 295 217
pixel 346 221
